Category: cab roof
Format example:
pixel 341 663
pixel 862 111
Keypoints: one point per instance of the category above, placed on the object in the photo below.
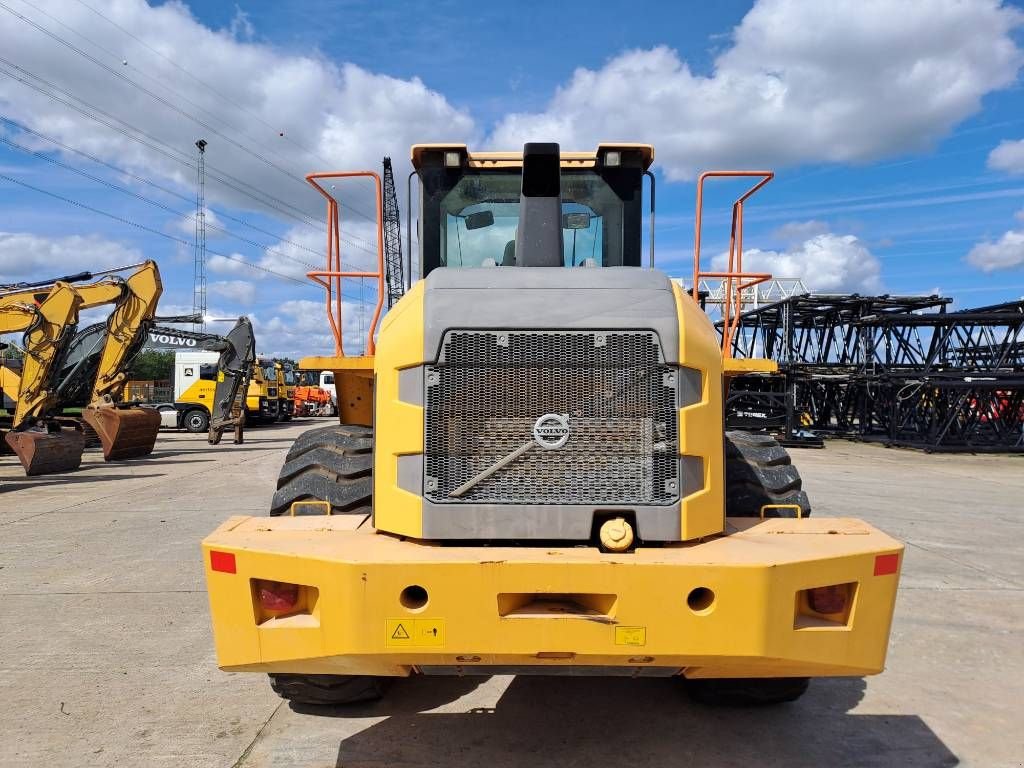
pixel 515 159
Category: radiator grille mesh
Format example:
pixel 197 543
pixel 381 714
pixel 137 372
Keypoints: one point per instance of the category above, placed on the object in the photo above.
pixel 490 387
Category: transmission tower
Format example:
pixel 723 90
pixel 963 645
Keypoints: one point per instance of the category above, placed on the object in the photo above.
pixel 199 258
pixel 392 238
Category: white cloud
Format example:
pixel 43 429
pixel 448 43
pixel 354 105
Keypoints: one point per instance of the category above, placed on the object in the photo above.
pixel 1008 156
pixel 222 265
pixel 274 102
pixel 798 231
pixel 187 225
pixel 299 251
pixel 1005 253
pixel 24 255
pixel 240 291
pixel 826 263
pixel 299 327
pixel 803 81
pixel 241 26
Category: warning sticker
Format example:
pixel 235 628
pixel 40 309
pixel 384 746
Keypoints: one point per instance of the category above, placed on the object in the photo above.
pixel 631 635
pixel 414 633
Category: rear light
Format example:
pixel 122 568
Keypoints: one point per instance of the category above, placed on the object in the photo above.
pixel 277 596
pixel 831 599
pixel 829 606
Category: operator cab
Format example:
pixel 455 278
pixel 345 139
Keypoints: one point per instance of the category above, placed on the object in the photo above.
pixel 470 205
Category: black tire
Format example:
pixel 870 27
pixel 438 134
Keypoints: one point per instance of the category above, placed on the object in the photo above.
pixel 741 692
pixel 327 690
pixel 196 421
pixel 332 464
pixel 758 471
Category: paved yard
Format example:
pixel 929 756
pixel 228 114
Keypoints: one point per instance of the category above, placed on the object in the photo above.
pixel 106 657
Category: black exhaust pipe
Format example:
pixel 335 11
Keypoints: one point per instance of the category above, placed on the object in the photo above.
pixel 539 237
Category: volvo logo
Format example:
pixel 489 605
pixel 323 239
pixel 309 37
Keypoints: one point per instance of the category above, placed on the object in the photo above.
pixel 163 339
pixel 551 430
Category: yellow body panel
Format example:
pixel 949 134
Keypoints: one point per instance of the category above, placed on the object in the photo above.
pixel 257 389
pixel 399 425
pixel 515 159
pixel 635 611
pixel 735 366
pixel 348 363
pixel 700 424
pixel 252 396
pixel 200 392
pixel 10 382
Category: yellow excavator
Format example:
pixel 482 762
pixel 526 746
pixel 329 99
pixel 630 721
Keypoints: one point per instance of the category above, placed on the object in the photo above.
pixel 532 474
pixel 47 385
pixel 47 319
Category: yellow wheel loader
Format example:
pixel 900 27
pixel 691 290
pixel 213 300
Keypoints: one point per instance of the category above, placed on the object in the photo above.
pixel 532 474
pixel 90 366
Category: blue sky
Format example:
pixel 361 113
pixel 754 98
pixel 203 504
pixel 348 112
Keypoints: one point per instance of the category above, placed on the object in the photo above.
pixel 898 139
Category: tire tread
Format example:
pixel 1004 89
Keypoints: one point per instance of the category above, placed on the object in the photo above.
pixel 759 471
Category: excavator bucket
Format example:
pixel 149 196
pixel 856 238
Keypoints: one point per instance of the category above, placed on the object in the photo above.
pixel 44 453
pixel 124 433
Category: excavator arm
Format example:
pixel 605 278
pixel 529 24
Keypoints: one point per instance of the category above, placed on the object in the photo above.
pixel 48 320
pixel 233 371
pixel 234 368
pixel 127 326
pixel 125 431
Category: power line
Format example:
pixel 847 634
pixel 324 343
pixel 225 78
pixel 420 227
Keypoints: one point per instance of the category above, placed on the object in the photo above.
pixel 166 150
pixel 174 193
pixel 200 81
pixel 165 235
pixel 166 103
pixel 144 199
pixel 149 229
pixel 155 144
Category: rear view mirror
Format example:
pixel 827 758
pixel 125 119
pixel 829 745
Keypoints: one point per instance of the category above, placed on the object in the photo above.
pixel 479 220
pixel 575 221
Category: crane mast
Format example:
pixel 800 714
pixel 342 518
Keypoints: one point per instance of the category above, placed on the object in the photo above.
pixel 393 268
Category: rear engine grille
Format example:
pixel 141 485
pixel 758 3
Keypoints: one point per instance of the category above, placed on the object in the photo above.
pixel 491 387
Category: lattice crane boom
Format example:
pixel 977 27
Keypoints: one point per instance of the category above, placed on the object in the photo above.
pixel 393 268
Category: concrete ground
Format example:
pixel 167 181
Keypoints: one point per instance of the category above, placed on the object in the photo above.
pixel 106 657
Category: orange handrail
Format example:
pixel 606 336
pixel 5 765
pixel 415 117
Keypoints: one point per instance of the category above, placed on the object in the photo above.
pixel 331 277
pixel 736 280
